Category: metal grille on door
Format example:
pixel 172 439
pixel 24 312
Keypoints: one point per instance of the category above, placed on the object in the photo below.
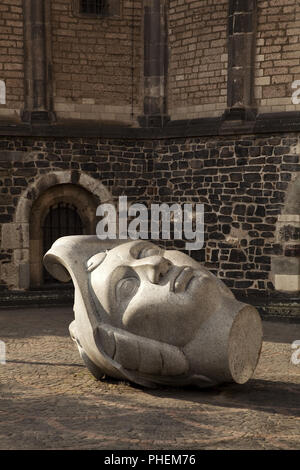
pixel 61 220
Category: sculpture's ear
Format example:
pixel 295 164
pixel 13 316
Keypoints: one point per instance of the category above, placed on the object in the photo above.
pixel 55 266
pixel 69 256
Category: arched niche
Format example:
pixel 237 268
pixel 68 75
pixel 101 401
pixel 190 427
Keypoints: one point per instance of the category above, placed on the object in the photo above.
pixel 15 236
pixel 74 195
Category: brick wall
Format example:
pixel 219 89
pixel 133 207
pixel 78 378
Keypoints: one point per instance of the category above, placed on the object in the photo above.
pixel 198 58
pixel 11 57
pixel 277 55
pixel 242 182
pixel 92 63
pixel 92 59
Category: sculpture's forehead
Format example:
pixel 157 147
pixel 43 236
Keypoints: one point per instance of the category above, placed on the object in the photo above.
pixel 122 255
pixel 128 252
pixel 131 251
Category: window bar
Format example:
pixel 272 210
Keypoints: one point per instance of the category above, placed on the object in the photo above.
pixel 67 220
pixel 93 7
pixel 51 225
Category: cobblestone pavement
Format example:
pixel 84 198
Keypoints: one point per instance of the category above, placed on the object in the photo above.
pixel 49 400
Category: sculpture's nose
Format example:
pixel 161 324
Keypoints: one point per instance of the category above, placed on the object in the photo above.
pixel 154 267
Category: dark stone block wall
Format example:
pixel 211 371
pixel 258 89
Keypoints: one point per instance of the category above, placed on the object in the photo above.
pixel 241 180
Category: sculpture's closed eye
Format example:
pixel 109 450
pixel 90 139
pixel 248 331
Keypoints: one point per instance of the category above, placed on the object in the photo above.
pixel 126 288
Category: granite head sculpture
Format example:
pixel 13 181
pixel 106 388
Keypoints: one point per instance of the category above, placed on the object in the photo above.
pixel 154 316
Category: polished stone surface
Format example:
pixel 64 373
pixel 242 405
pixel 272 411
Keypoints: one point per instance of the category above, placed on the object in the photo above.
pixel 154 316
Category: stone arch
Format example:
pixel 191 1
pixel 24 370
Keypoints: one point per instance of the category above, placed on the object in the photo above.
pixel 86 205
pixel 16 235
pixel 45 182
pixel 286 267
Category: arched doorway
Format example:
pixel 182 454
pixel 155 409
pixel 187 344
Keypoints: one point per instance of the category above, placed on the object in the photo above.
pixel 62 220
pixel 62 210
pixel 19 235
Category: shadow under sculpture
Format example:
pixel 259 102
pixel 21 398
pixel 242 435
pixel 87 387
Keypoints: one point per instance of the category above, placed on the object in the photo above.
pixel 154 316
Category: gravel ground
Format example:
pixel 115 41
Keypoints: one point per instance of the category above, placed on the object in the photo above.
pixel 49 400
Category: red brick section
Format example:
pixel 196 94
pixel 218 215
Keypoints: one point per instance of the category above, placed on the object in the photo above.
pixel 198 48
pixel 92 57
pixel 278 54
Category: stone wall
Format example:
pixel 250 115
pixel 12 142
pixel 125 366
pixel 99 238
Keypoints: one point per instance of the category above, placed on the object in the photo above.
pixel 198 58
pixel 11 57
pixel 241 180
pixel 242 183
pixel 97 63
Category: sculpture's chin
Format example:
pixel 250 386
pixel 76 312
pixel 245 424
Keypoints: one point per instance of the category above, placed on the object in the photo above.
pixel 173 317
pixel 172 326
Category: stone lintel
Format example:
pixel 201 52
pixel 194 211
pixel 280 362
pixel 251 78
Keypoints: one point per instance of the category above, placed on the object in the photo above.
pixel 289 218
pixel 287 282
pixel 266 123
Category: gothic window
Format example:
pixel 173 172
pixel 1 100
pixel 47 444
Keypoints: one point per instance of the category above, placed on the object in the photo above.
pixel 93 7
pixel 96 8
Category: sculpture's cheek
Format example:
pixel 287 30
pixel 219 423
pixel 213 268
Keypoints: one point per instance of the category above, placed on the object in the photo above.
pixel 167 322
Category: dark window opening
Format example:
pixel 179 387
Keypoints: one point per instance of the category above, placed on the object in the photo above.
pixel 62 220
pixel 93 7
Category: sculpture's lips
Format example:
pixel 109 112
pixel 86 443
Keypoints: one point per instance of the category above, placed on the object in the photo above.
pixel 181 279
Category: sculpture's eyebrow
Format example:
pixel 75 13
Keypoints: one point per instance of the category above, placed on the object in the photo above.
pixel 95 261
pixel 138 248
pixel 149 248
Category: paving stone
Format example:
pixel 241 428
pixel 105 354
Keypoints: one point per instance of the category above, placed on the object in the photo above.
pixel 49 400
